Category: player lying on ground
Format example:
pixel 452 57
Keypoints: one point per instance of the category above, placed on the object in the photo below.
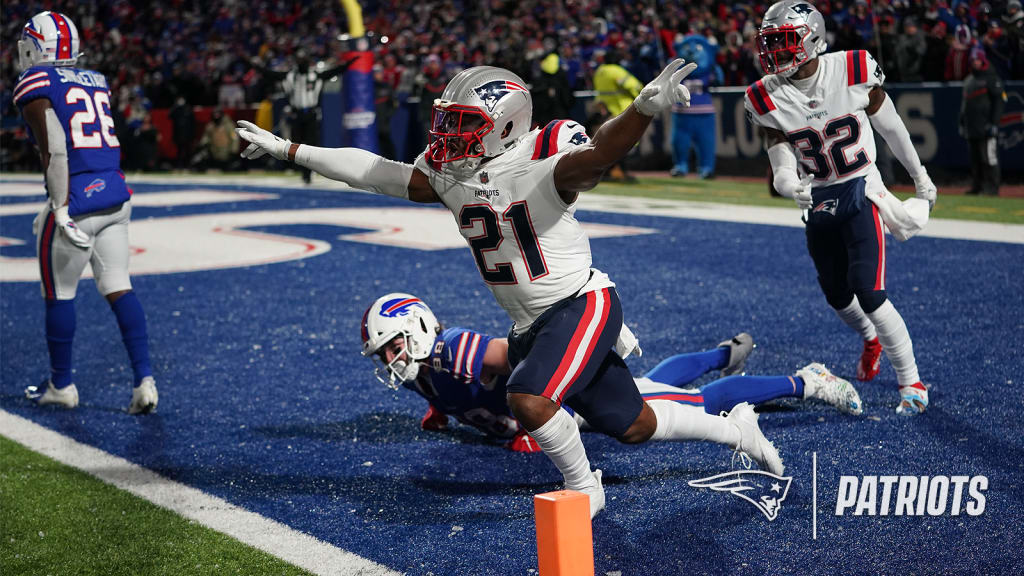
pixel 824 107
pixel 513 191
pixel 67 110
pixel 462 373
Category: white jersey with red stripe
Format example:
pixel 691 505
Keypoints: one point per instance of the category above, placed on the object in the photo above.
pixel 530 249
pixel 823 116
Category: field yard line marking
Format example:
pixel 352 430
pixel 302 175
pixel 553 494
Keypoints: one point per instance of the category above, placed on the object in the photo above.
pixel 696 210
pixel 814 491
pixel 790 217
pixel 257 531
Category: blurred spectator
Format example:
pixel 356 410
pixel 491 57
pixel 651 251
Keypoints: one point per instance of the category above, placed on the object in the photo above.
pixel 616 89
pixel 429 85
pixel 386 76
pixel 980 114
pixel 910 52
pixel 937 42
pixel 218 148
pixel 552 96
pixel 183 122
pixel 146 142
pixel 957 59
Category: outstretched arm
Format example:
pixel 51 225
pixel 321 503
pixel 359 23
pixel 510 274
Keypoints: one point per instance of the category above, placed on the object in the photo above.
pixel 581 169
pixel 353 166
pixel 887 121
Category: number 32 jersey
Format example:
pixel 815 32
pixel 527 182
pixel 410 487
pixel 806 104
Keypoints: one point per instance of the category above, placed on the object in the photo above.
pixel 825 120
pixel 81 100
pixel 530 249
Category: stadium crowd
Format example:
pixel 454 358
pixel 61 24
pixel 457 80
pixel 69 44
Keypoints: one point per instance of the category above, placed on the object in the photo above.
pixel 210 53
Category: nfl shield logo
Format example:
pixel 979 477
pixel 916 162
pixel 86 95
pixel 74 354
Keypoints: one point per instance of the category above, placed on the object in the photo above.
pixel 484 179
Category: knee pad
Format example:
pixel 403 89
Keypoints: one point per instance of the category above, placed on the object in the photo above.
pixel 870 300
pixel 837 298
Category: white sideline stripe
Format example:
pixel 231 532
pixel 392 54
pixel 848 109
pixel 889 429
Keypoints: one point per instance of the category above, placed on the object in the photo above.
pixel 744 214
pixel 268 535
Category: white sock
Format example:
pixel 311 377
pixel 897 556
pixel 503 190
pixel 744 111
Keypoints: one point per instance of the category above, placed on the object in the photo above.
pixel 559 438
pixel 854 317
pixel 682 422
pixel 895 340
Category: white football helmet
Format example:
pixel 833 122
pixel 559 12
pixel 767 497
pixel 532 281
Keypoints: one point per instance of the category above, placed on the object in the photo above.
pixel 48 39
pixel 792 32
pixel 482 113
pixel 399 315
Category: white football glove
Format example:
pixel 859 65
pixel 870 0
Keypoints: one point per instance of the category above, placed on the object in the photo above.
pixel 68 228
pixel 802 195
pixel 666 89
pixel 261 142
pixel 924 189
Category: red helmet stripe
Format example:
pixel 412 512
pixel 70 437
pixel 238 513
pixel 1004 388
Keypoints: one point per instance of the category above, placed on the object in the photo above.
pixel 513 86
pixel 365 331
pixel 63 36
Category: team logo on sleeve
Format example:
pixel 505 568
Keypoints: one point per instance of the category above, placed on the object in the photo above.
pixel 494 91
pixel 763 489
pixel 400 307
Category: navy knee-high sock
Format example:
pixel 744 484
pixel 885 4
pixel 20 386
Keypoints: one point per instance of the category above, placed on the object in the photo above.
pixel 132 322
pixel 682 369
pixel 60 333
pixel 723 394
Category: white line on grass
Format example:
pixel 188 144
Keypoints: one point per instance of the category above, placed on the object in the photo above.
pixel 257 531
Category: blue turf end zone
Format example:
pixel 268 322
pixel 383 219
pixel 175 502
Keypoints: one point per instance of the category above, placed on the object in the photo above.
pixel 266 402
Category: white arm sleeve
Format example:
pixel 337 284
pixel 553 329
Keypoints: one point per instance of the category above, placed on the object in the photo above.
pixel 358 168
pixel 57 169
pixel 889 124
pixel 786 179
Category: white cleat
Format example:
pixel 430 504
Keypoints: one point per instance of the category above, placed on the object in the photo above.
pixel 821 384
pixel 595 492
pixel 752 441
pixel 740 347
pixel 913 399
pixel 144 397
pixel 66 396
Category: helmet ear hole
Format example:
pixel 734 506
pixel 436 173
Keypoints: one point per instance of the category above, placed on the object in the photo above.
pixel 507 130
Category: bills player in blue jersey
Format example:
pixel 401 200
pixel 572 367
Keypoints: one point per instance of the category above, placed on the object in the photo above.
pixel 512 190
pixel 463 374
pixel 85 220
pixel 822 108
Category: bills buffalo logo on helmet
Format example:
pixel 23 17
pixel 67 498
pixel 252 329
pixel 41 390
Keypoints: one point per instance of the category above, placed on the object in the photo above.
pixel 763 489
pixel 400 307
pixel 494 91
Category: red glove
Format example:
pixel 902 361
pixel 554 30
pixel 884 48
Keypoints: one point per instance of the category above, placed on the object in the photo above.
pixel 522 443
pixel 434 419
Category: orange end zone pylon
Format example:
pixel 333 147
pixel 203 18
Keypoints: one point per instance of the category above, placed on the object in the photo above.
pixel 565 543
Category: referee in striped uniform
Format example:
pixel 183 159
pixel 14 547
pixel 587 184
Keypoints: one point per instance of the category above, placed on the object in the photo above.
pixel 302 86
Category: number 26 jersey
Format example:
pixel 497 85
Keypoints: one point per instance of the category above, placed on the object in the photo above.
pixel 81 100
pixel 823 117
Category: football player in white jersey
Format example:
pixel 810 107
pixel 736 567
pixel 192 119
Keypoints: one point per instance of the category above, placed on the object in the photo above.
pixel 818 111
pixel 512 191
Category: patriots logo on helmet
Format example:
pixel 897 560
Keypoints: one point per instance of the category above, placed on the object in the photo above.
pixel 829 206
pixel 494 91
pixel 763 489
pixel 400 307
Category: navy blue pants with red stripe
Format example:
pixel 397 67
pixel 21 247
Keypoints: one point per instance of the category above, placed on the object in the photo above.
pixel 567 356
pixel 846 240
